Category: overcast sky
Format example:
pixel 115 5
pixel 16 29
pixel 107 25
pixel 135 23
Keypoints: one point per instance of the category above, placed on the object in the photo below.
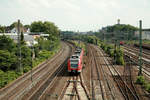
pixel 82 15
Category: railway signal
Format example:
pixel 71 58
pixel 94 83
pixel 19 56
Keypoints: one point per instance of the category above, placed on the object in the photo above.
pixel 140 52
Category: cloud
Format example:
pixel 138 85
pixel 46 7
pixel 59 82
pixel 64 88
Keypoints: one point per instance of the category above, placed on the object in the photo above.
pixel 76 14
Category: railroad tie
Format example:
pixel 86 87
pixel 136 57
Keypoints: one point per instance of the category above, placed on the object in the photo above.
pixel 73 81
pixel 72 94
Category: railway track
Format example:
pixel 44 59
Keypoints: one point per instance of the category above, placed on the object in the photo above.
pixel 127 91
pixel 96 86
pixel 39 91
pixel 75 89
pixel 23 85
pixel 109 86
pixel 146 54
pixel 103 95
pixel 98 78
pixel 128 75
pixel 134 57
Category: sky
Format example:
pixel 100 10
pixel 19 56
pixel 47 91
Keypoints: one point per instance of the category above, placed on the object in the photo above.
pixel 76 15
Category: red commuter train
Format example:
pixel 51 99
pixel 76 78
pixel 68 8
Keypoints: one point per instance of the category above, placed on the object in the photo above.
pixel 75 61
pixel 121 43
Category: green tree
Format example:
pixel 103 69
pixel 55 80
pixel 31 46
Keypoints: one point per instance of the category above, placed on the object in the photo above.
pixel 44 44
pixel 37 26
pixel 36 50
pixel 25 56
pixel 47 28
pixel 15 24
pixel 7 60
pixel 2 29
pixel 121 27
pixel 7 44
pixel 51 29
pixel 22 39
pixel 27 26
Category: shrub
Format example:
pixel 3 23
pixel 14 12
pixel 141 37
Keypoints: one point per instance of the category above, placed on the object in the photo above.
pixel 148 87
pixel 140 80
pixel 109 49
pixel 44 54
pixel 111 52
pixel 11 75
pixel 26 69
pixel 105 48
pixel 119 57
pixel 6 77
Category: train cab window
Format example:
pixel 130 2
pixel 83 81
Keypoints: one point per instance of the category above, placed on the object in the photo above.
pixel 74 65
pixel 74 61
pixel 77 52
pixel 75 56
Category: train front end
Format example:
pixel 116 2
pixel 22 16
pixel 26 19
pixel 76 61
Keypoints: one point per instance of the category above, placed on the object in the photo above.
pixel 74 65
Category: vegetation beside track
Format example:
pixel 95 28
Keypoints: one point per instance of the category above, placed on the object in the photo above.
pixel 9 66
pixel 30 56
pixel 81 45
pixel 112 52
pixel 108 48
pixel 141 80
pixel 137 41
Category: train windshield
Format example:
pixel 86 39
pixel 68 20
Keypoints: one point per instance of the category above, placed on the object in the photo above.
pixel 74 63
pixel 77 52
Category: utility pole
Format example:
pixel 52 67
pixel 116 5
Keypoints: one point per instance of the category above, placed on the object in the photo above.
pixel 19 47
pixel 140 52
pixel 103 36
pixel 32 57
pixel 115 46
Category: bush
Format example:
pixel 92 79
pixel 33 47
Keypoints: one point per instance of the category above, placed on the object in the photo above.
pixel 148 87
pixel 6 77
pixel 119 57
pixel 105 48
pixel 26 69
pixel 7 60
pixel 109 49
pixel 140 80
pixel 44 54
pixel 111 53
pixel 11 75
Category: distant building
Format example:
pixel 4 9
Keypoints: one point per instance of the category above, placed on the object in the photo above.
pixel 145 34
pixel 24 30
pixel 14 30
pixel 29 39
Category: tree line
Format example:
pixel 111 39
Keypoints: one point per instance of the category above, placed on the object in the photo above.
pixel 9 55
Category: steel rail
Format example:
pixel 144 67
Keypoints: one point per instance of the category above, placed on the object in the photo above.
pixel 97 71
pixel 127 87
